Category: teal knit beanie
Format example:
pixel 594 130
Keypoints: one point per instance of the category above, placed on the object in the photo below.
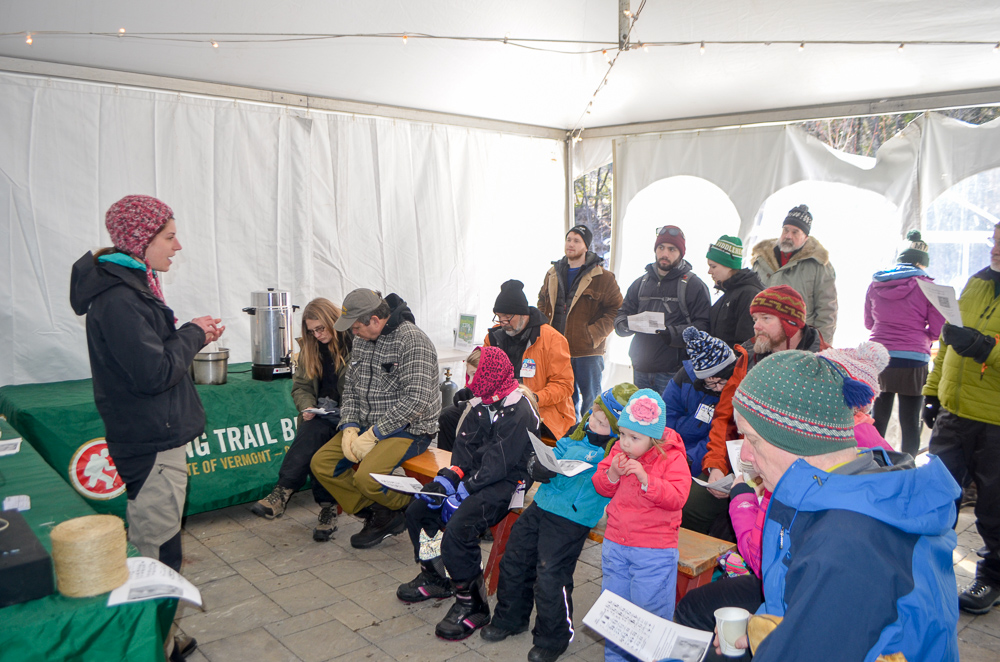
pixel 645 413
pixel 727 251
pixel 798 402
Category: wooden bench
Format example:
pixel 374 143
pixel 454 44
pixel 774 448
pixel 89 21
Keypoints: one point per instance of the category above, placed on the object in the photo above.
pixel 698 553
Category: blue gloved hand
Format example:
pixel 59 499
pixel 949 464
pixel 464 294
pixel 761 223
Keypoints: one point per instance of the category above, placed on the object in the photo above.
pixel 452 503
pixel 440 485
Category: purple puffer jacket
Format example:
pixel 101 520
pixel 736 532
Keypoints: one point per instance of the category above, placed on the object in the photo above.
pixel 899 315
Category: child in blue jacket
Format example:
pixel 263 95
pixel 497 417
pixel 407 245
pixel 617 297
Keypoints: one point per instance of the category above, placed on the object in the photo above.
pixel 546 541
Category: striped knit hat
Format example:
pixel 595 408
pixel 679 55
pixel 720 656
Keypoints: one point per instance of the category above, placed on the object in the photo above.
pixel 800 218
pixel 709 355
pixel 784 303
pixel 727 251
pixel 795 401
pixel 611 402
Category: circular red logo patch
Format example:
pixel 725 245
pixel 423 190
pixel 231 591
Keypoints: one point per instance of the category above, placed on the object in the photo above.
pixel 93 473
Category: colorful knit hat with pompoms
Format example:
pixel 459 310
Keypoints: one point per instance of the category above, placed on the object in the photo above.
pixel 611 402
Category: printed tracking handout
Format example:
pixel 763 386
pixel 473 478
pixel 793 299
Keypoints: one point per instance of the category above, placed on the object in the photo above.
pixel 548 459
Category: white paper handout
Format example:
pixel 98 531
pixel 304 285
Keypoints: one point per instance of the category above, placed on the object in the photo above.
pixel 319 411
pixel 645 635
pixel 404 484
pixel 733 448
pixel 943 298
pixel 724 484
pixel 20 502
pixel 548 459
pixel 647 322
pixel 149 579
pixel 10 445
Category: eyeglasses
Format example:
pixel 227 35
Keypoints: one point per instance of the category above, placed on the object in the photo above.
pixel 319 330
pixel 669 229
pixel 503 319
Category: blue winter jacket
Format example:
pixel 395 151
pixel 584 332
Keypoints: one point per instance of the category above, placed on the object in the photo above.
pixel 861 565
pixel 683 402
pixel 574 497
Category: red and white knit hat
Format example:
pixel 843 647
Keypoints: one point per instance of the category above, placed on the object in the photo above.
pixel 132 223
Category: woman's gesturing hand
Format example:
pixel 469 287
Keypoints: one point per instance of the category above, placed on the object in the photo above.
pixel 211 327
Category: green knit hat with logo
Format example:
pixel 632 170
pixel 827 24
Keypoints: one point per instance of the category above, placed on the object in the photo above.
pixel 727 251
pixel 800 402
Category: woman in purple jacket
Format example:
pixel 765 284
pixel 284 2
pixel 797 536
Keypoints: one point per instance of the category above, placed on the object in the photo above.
pixel 901 318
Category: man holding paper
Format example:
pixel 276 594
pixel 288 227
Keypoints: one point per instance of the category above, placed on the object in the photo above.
pixel 963 406
pixel 676 298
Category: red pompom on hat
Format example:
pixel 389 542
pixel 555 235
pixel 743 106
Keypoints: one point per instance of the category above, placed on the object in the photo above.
pixel 784 303
pixel 132 223
pixel 494 378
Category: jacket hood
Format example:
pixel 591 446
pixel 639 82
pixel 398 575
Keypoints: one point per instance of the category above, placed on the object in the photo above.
pixel 682 268
pixel 399 312
pixel 899 272
pixel 898 288
pixel 919 500
pixel 588 262
pixel 739 279
pixel 811 250
pixel 87 281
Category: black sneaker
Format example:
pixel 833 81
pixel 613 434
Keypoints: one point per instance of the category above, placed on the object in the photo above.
pixel 380 523
pixel 539 654
pixel 431 583
pixel 979 598
pixel 327 523
pixel 495 633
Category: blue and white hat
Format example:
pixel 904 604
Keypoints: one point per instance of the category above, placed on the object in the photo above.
pixel 645 413
pixel 708 354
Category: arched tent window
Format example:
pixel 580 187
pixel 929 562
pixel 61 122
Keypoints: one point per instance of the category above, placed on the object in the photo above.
pixel 701 209
pixel 957 225
pixel 860 230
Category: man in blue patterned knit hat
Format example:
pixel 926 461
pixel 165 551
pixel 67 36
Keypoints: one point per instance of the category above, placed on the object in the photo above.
pixel 856 550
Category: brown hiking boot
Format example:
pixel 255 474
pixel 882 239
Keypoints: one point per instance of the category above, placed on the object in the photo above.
pixel 327 522
pixel 273 505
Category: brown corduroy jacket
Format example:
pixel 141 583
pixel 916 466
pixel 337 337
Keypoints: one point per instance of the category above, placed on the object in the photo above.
pixel 590 317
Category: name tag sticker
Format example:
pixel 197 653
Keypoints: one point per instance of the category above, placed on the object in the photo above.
pixel 705 413
pixel 528 368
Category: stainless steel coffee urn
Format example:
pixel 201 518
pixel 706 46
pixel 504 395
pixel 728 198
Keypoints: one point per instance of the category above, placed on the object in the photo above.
pixel 271 334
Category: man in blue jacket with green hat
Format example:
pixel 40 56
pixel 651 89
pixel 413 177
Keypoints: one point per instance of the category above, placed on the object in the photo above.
pixel 857 550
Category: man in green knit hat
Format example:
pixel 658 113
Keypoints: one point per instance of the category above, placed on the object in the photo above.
pixel 856 550
pixel 730 319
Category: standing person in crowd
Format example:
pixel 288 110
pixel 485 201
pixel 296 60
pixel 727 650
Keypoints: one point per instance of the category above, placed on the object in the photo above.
pixel 580 298
pixel 139 360
pixel 647 478
pixel 730 319
pixel 962 394
pixel 667 287
pixel 320 376
pixel 779 315
pixel 389 412
pixel 490 462
pixel 901 318
pixel 856 555
pixel 540 356
pixel 799 261
pixel 692 394
pixel 544 545
pixel 864 364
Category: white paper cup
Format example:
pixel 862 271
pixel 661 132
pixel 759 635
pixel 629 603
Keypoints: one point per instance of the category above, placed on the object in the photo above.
pixel 731 624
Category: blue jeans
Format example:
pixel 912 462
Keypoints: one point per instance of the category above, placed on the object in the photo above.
pixel 645 577
pixel 655 380
pixel 587 371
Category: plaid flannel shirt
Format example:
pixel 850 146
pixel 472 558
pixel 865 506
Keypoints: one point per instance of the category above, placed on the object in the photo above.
pixel 392 383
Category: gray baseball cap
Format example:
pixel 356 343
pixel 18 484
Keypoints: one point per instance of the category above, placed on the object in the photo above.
pixel 357 304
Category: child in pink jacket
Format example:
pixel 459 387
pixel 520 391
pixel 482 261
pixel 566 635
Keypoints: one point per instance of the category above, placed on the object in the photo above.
pixel 647 477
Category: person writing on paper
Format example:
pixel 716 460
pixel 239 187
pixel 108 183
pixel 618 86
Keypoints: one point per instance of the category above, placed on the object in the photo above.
pixel 320 375
pixel 818 579
pixel 139 359
pixel 647 477
pixel 489 463
pixel 667 287
pixel 546 540
pixel 962 394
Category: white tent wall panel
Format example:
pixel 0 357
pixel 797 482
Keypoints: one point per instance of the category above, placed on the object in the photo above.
pixel 311 202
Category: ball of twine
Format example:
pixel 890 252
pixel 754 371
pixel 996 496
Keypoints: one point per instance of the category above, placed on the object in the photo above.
pixel 89 555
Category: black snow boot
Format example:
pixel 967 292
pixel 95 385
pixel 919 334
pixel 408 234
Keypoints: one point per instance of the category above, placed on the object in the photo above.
pixel 470 612
pixel 432 582
pixel 380 523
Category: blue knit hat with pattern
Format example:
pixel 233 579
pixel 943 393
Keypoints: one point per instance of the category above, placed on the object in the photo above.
pixel 708 354
pixel 645 413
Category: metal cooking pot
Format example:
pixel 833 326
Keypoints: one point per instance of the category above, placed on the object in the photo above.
pixel 210 367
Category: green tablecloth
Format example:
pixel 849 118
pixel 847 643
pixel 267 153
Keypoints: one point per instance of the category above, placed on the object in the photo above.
pixel 249 426
pixel 60 628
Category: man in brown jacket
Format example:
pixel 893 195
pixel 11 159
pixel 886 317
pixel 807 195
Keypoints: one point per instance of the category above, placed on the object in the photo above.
pixel 580 299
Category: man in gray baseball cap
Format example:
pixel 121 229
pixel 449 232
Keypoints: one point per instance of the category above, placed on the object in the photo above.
pixel 389 412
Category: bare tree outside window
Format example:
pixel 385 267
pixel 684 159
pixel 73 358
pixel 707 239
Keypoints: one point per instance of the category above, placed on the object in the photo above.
pixel 593 207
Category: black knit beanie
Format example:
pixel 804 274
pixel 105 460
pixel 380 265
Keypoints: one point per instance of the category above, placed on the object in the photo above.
pixel 800 218
pixel 511 300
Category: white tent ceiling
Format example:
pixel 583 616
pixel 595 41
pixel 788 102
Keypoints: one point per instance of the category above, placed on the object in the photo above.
pixel 505 82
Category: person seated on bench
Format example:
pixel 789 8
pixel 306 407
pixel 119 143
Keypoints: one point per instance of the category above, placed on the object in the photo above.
pixel 538 565
pixel 450 414
pixel 647 477
pixel 856 556
pixel 490 462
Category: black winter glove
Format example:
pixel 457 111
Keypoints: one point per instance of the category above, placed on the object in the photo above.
pixel 931 408
pixel 452 476
pixel 462 396
pixel 538 472
pixel 968 342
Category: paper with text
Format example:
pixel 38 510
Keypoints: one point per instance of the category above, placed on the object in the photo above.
pixel 148 579
pixel 647 322
pixel 548 459
pixel 943 298
pixel 404 484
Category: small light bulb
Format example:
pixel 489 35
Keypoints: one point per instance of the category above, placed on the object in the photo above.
pixel 900 49
pixel 802 46
pixel 607 58
pixel 404 38
pixel 121 30
pixel 215 44
pixel 29 40
pixel 702 48
pixel 645 47
pixel 627 13
pixel 996 49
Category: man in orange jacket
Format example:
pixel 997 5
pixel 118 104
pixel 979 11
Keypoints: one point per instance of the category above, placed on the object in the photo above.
pixel 539 354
